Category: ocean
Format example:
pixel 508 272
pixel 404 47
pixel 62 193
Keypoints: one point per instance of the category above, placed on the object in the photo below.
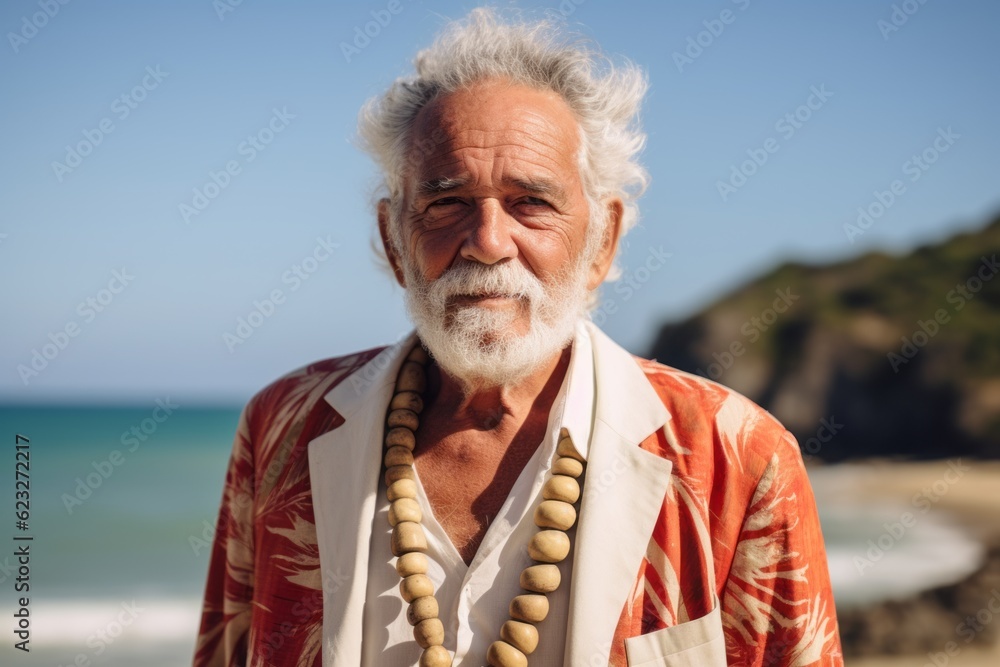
pixel 117 562
pixel 123 503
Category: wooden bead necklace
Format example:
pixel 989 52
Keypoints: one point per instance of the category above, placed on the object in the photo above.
pixel 554 516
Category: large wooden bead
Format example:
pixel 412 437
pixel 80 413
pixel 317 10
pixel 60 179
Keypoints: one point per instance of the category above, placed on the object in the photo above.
pixel 530 607
pixel 422 609
pixel 411 378
pixel 429 632
pixel 522 636
pixel 408 536
pixel 403 419
pixel 398 456
pixel 566 448
pixel 405 509
pixel 564 465
pixel 418 354
pixel 416 586
pixel 555 514
pixel 407 400
pixel 411 563
pixel 402 488
pixel 400 437
pixel 549 546
pixel 540 578
pixel 396 473
pixel 502 654
pixel 435 656
pixel 561 487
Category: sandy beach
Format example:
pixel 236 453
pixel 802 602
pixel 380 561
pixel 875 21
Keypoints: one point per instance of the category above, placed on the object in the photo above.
pixel 967 494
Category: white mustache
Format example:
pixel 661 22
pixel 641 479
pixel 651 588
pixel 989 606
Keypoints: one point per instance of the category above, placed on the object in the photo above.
pixel 509 279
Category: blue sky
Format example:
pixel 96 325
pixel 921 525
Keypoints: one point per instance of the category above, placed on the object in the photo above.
pixel 200 80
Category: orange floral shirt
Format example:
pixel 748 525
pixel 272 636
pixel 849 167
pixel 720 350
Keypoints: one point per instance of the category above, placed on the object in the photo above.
pixel 737 525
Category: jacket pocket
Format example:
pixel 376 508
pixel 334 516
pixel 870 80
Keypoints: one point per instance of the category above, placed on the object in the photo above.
pixel 697 643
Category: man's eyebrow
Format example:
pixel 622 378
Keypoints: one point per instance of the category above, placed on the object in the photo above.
pixel 541 186
pixel 436 186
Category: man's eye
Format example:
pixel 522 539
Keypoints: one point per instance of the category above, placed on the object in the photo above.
pixel 446 201
pixel 535 201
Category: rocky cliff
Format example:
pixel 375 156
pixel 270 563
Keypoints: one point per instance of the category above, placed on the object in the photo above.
pixel 877 356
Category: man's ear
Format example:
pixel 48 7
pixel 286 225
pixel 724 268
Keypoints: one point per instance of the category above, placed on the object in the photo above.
pixel 609 244
pixel 390 253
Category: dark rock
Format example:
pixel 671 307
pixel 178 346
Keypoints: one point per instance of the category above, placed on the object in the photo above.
pixel 900 351
pixel 958 613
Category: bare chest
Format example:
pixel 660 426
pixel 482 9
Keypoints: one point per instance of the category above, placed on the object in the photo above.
pixel 467 479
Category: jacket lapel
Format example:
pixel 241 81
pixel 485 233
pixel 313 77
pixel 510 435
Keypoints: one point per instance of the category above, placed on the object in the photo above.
pixel 344 466
pixel 622 496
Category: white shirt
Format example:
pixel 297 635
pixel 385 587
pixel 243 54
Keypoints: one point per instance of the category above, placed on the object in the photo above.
pixel 474 598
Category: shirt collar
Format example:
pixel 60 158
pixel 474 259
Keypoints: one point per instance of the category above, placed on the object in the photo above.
pixel 574 406
pixel 378 374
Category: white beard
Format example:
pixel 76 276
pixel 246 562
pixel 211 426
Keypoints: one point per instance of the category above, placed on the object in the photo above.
pixel 474 344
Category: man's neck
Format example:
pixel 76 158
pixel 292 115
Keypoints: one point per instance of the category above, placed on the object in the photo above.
pixel 495 407
pixel 473 445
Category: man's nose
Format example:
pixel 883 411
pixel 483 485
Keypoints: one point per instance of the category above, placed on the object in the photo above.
pixel 488 238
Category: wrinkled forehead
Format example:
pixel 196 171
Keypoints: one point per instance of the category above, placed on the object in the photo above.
pixel 524 127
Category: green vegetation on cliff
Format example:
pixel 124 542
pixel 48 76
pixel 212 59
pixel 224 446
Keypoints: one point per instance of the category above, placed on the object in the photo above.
pixel 904 352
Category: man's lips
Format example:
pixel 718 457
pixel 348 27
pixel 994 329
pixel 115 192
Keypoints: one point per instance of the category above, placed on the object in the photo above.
pixel 482 299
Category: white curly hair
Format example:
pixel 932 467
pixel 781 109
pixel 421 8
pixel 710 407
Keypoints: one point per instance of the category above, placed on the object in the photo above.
pixel 604 98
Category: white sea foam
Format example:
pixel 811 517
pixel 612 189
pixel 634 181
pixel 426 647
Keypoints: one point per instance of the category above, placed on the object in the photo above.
pixel 887 550
pixel 931 553
pixel 88 623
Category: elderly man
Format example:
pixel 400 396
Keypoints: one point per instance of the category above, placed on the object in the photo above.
pixel 506 485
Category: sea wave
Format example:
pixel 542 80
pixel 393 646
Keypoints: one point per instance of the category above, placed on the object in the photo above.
pixel 887 549
pixel 110 632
